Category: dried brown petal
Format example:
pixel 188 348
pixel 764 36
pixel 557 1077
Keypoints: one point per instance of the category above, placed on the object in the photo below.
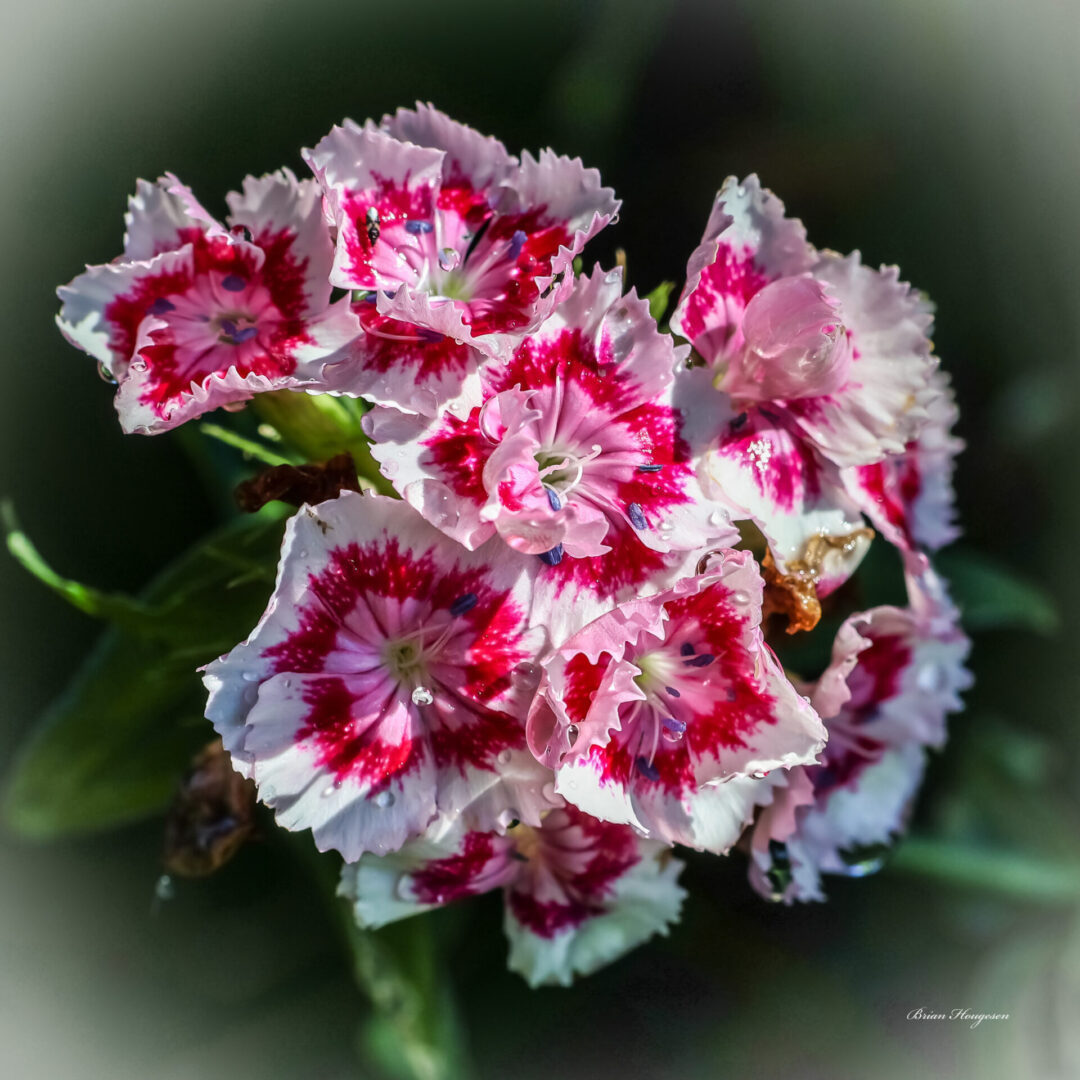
pixel 298 484
pixel 212 814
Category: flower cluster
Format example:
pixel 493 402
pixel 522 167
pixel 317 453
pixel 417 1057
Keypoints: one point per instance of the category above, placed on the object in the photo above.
pixel 543 665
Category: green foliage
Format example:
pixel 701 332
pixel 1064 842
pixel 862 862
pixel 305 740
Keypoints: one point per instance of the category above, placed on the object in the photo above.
pixel 659 299
pixel 112 747
pixel 991 596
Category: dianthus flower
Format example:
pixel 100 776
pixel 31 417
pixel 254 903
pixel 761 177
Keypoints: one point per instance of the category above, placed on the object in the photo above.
pixel 194 316
pixel 575 456
pixel 821 362
pixel 579 892
pixel 894 676
pixel 378 693
pixel 665 713
pixel 454 248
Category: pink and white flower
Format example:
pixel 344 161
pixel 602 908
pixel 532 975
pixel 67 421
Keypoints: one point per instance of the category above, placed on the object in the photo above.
pixel 576 456
pixel 895 675
pixel 378 692
pixel 449 237
pixel 579 892
pixel 668 713
pixel 193 316
pixel 909 497
pixel 824 362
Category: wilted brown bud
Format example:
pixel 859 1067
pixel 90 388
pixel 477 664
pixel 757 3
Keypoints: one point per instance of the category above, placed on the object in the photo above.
pixel 212 814
pixel 298 484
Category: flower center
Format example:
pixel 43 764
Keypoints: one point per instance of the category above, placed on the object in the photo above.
pixel 235 327
pixel 561 470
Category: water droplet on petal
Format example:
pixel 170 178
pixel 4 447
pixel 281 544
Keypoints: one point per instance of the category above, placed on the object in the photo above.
pixel 504 757
pixel 449 259
pixel 251 676
pixel 104 374
pixel 572 732
pixel 741 598
pixel 759 774
pixel 389 468
pixel 717 517
pixel 422 696
pixel 384 799
pixel 138 365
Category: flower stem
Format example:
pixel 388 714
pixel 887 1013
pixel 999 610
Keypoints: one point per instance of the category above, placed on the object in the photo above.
pixel 1007 873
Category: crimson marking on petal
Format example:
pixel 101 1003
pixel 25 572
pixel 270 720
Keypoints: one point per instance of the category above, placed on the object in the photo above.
pixel 552 557
pixel 463 604
pixel 393 345
pixel 731 279
pixel 233 283
pixel 637 518
pixel 442 881
pixel 344 751
pixel 583 872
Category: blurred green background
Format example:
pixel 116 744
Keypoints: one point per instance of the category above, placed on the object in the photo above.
pixel 938 134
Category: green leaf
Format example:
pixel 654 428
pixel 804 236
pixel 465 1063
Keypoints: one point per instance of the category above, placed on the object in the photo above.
pixel 115 606
pixel 659 299
pixel 992 596
pixel 113 746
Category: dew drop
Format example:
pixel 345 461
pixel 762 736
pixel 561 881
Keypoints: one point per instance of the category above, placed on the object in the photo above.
pixel 526 675
pixel 449 259
pixel 389 468
pixel 164 888
pixel 717 517
pixel 384 800
pixel 741 598
pixel 138 366
pixel 759 774
pixel 250 676
pixel 422 696
pixel 932 678
pixel 504 757
pixel 104 374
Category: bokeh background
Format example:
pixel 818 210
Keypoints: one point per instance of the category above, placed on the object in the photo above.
pixel 938 134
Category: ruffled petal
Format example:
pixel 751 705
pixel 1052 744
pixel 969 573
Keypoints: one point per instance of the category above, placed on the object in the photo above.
pixel 409 367
pixel 909 497
pixel 883 405
pixel 447 863
pixel 378 191
pixel 163 216
pixel 588 893
pixel 285 219
pixel 795 497
pixel 748 242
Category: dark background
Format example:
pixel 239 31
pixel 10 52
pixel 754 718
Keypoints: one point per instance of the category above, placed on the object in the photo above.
pixel 941 136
